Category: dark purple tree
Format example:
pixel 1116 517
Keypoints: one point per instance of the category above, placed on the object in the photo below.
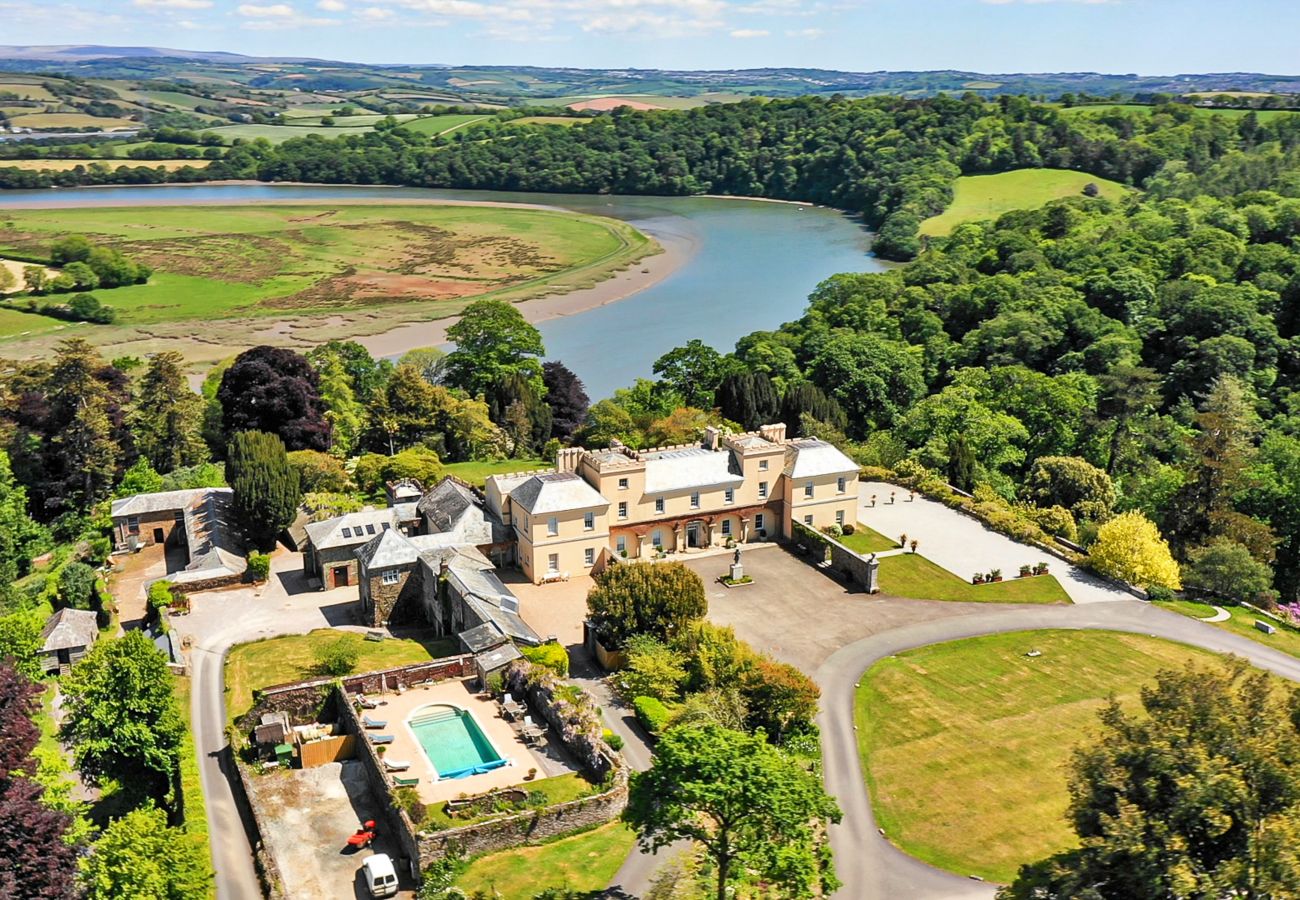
pixel 567 399
pixel 277 391
pixel 35 861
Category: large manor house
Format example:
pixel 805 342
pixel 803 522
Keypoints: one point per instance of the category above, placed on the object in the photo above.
pixel 434 556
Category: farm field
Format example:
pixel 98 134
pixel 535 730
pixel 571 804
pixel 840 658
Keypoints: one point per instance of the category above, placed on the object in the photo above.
pixel 979 197
pixel 639 101
pixel 70 120
pixel 1264 115
pixel 25 89
pixel 412 261
pixel 566 121
pixel 432 125
pixel 65 165
pixel 279 133
pixel 965 744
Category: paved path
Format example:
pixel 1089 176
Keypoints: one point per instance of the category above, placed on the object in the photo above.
pixel 963 546
pixel 870 867
pixel 1220 615
pixel 219 621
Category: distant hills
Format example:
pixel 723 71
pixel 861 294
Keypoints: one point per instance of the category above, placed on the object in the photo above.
pixel 514 84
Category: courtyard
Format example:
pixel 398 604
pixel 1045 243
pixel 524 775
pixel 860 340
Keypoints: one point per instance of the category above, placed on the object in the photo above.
pixel 398 710
pixel 314 811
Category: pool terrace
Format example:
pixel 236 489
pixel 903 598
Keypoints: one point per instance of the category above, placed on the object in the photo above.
pixel 549 759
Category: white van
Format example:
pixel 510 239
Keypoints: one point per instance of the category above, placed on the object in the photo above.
pixel 381 878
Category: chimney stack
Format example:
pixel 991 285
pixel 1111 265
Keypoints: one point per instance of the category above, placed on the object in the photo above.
pixel 712 435
pixel 774 433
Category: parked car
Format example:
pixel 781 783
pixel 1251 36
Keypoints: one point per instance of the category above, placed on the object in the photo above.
pixel 381 877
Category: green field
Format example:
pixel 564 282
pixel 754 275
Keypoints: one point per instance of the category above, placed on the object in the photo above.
pixel 432 125
pixel 965 744
pixel 277 134
pixel 220 262
pixel 912 575
pixel 583 862
pixel 980 197
pixel 70 120
pixel 564 121
pixel 250 667
pixel 1264 115
pixel 1242 622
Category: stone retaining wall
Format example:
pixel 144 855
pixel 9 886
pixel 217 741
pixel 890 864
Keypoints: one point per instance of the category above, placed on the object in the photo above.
pixel 268 872
pixel 847 564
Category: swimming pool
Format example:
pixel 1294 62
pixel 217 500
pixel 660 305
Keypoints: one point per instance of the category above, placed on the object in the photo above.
pixel 452 740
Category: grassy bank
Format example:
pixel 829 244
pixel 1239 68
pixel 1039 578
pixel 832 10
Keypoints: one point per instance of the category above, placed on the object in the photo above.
pixel 1241 621
pixel 477 472
pixel 979 197
pixel 965 744
pixel 251 667
pixel 910 575
pixel 867 540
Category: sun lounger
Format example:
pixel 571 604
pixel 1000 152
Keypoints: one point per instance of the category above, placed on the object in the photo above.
pixel 381 738
pixel 396 765
pixel 365 703
pixel 406 782
pixel 374 723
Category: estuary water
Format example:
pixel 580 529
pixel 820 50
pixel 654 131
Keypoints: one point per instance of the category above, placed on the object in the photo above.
pixel 748 264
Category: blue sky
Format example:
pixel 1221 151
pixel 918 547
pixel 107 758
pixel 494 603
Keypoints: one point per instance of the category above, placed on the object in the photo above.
pixel 1142 36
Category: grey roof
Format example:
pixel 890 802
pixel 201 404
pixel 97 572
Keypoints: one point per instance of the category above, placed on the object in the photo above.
pixel 689 468
pixel 810 457
pixel 350 529
pixel 498 656
pixel 407 512
pixel 212 538
pixel 443 506
pixel 163 501
pixel 387 549
pixel 69 628
pixel 474 579
pixel 483 637
pixel 557 492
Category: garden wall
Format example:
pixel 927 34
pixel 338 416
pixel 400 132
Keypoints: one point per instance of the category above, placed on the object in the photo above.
pixel 267 869
pixel 846 563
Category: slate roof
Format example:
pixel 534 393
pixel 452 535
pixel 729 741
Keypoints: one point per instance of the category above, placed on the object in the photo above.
pixel 689 468
pixel 387 549
pixel 212 539
pixel 557 492
pixel 162 501
pixel 474 579
pixel 811 457
pixel 350 529
pixel 443 506
pixel 68 629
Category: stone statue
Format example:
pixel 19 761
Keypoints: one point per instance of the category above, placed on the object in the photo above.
pixel 737 556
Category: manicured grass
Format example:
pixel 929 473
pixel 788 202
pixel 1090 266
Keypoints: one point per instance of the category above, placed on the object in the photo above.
pixel 965 744
pixel 65 165
pixel 251 667
pixel 476 473
pixel 441 124
pixel 582 862
pixel 1242 622
pixel 980 197
pixel 911 575
pixel 218 262
pixel 867 540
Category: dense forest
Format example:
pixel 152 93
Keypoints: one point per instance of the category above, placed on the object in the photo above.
pixel 892 160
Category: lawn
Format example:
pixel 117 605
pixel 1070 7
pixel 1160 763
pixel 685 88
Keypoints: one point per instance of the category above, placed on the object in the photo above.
pixel 979 197
pixel 965 744
pixel 476 473
pixel 866 540
pixel 214 262
pixel 251 667
pixel 65 165
pixel 911 575
pixel 560 789
pixel 1242 622
pixel 581 862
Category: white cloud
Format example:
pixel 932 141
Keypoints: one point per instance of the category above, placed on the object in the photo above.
pixel 274 11
pixel 332 5
pixel 809 33
pixel 750 33
pixel 375 14
pixel 174 4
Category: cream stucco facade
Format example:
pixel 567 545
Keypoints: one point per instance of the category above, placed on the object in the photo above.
pixel 629 503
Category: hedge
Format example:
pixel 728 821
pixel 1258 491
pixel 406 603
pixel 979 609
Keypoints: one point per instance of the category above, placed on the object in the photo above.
pixel 550 656
pixel 651 713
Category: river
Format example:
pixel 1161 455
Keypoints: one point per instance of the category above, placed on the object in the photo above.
pixel 750 264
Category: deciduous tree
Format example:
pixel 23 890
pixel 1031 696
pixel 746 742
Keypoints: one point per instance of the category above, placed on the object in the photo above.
pixel 277 391
pixel 1074 483
pixel 1129 547
pixel 492 339
pixel 656 600
pixel 1225 568
pixel 139 855
pixel 749 806
pixel 693 372
pixel 122 721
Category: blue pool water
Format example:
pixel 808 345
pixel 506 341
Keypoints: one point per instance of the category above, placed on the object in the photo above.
pixel 455 744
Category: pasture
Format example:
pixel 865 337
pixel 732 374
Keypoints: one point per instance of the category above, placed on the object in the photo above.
pixel 965 744
pixel 980 197
pixel 70 120
pixel 564 121
pixel 433 125
pixel 417 261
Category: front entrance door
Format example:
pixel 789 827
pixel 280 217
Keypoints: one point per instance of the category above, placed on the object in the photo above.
pixel 340 576
pixel 693 535
pixel 158 536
